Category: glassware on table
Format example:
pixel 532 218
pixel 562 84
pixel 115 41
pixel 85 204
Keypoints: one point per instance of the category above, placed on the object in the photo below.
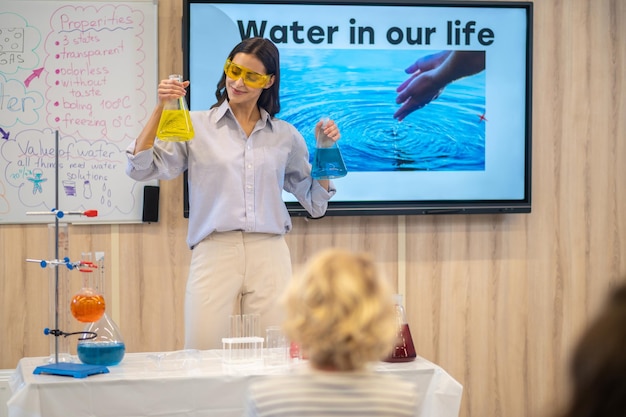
pixel 277 349
pixel 175 124
pixel 294 350
pixel 327 161
pixel 59 297
pixel 244 345
pixel 101 341
pixel 404 350
pixel 88 305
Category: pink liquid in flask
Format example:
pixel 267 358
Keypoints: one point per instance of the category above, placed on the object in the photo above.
pixel 404 350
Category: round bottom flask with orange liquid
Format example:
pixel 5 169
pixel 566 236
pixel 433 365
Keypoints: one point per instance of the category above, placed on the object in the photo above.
pixel 101 342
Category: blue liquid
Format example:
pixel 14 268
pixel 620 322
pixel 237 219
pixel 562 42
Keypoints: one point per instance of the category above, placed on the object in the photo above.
pixel 104 353
pixel 328 164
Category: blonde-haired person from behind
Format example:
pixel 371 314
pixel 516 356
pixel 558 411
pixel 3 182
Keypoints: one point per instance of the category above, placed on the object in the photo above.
pixel 341 312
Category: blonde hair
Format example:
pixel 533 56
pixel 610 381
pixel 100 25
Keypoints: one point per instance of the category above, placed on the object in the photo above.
pixel 340 310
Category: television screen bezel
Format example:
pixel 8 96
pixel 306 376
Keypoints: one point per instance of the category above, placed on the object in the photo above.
pixel 412 207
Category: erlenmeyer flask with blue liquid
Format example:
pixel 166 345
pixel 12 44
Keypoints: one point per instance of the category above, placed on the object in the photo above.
pixel 101 342
pixel 327 161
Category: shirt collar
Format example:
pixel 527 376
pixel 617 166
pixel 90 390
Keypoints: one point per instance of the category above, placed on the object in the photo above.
pixel 225 108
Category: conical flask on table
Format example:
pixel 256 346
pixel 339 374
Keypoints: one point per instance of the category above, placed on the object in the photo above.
pixel 175 124
pixel 101 342
pixel 404 350
pixel 327 161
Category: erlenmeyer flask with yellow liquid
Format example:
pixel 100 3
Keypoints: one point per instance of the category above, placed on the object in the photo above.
pixel 175 124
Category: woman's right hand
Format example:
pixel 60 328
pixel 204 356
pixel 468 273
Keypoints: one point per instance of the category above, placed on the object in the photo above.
pixel 167 90
pixel 171 89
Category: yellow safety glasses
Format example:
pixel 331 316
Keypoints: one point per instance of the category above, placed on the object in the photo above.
pixel 250 78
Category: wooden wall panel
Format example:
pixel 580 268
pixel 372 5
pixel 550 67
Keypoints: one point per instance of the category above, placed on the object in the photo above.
pixel 497 300
pixel 376 235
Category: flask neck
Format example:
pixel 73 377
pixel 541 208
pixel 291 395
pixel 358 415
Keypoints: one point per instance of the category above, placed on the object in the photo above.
pixel 175 104
pixel 178 103
pixel 400 313
pixel 321 139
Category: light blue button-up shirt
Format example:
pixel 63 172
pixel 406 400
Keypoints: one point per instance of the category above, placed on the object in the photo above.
pixel 235 182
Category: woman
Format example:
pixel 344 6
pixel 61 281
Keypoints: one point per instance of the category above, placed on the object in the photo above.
pixel 240 161
pixel 342 314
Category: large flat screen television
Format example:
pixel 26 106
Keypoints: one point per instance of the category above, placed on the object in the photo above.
pixel 433 99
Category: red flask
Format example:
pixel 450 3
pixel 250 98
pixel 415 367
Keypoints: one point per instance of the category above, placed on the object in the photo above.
pixel 404 350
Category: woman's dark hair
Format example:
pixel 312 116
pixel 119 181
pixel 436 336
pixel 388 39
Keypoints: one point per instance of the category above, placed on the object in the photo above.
pixel 598 363
pixel 267 53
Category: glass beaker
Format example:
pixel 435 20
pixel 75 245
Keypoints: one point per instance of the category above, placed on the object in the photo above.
pixel 404 350
pixel 327 161
pixel 175 124
pixel 277 349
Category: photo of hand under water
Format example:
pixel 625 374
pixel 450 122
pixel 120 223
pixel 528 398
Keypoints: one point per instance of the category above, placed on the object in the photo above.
pixel 399 110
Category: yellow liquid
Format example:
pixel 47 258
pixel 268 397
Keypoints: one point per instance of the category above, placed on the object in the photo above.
pixel 175 126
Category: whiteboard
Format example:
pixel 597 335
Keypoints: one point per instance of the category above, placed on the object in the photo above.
pixel 87 73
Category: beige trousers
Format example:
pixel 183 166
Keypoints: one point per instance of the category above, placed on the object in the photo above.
pixel 234 273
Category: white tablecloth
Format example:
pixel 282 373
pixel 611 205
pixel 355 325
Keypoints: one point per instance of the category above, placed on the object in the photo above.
pixel 187 384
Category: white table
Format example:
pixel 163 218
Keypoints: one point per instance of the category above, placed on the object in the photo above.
pixel 187 384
